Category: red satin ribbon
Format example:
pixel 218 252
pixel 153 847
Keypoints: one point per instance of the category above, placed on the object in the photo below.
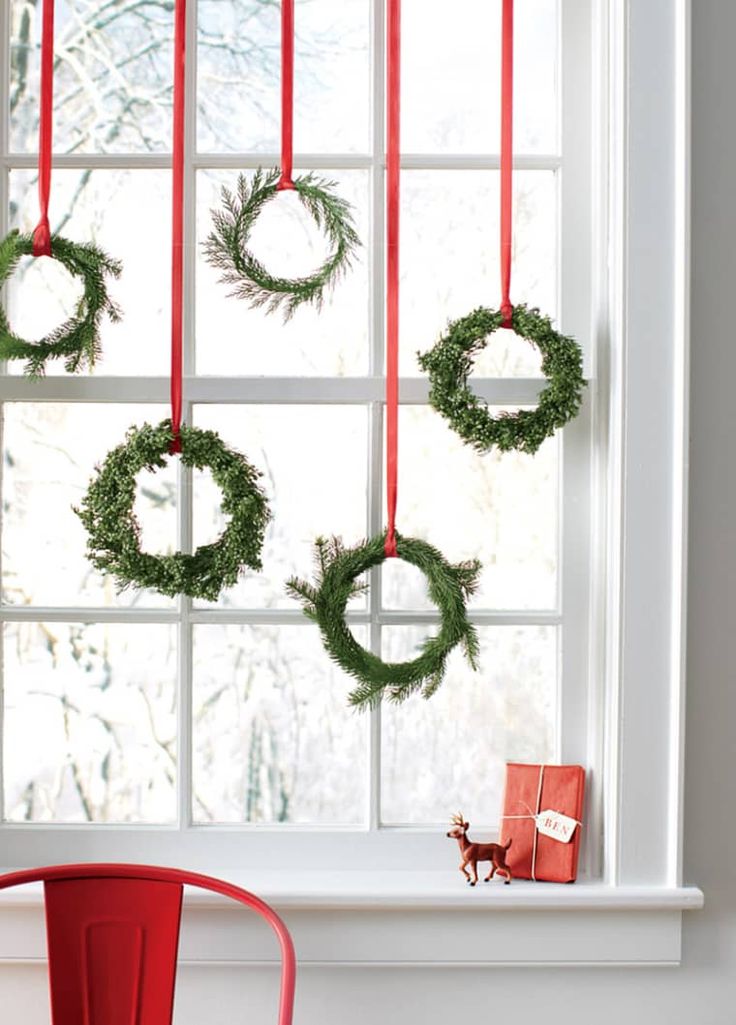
pixel 287 95
pixel 42 232
pixel 177 222
pixel 393 125
pixel 507 152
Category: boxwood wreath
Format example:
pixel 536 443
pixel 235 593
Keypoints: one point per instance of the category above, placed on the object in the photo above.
pixel 226 247
pixel 338 572
pixel 450 363
pixel 77 340
pixel 114 532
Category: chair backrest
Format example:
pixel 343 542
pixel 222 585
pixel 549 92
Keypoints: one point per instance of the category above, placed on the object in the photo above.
pixel 113 934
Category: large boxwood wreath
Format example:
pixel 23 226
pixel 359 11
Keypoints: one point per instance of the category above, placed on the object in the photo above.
pixel 450 363
pixel 227 249
pixel 77 340
pixel 114 532
pixel 338 573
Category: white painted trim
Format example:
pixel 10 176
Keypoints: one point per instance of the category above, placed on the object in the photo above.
pixel 348 890
pixel 648 434
pixel 307 161
pixel 250 390
pixel 407 920
pixel 293 617
pixel 682 274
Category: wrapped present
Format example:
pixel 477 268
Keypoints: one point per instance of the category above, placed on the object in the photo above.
pixel 542 817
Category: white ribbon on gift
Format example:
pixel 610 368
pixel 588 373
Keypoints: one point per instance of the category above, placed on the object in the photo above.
pixel 535 816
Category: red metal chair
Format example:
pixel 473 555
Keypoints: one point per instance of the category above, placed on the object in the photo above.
pixel 113 933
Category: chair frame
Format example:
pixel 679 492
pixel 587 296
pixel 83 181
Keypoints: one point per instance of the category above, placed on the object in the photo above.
pixel 52 874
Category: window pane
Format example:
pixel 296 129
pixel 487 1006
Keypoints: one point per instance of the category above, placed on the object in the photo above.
pixel 448 754
pixel 239 68
pixel 50 454
pixel 315 475
pixel 451 77
pixel 274 739
pixel 112 76
pixel 449 260
pixel 232 338
pixel 89 723
pixel 128 214
pixel 501 508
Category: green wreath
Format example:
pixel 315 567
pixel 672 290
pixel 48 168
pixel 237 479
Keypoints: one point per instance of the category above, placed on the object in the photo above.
pixel 113 543
pixel 226 247
pixel 450 363
pixel 77 340
pixel 338 570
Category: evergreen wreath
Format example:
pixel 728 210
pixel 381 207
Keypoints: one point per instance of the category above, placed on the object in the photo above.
pixel 338 569
pixel 114 532
pixel 77 340
pixel 226 247
pixel 450 362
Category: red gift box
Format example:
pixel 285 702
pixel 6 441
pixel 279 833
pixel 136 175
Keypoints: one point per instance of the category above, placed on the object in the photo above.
pixel 535 851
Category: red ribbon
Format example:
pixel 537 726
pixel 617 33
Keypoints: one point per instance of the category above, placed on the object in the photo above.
pixel 393 123
pixel 287 95
pixel 42 232
pixel 507 151
pixel 177 222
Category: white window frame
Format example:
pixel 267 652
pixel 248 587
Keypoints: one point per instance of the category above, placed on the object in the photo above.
pixel 634 720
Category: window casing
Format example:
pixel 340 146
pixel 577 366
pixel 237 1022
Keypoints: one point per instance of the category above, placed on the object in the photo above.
pixel 582 288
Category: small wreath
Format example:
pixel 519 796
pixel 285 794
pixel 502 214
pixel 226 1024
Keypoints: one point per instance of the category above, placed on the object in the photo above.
pixel 450 362
pixel 338 570
pixel 77 340
pixel 227 249
pixel 114 532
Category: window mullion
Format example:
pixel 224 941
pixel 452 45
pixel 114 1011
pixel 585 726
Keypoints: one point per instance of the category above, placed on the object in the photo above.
pixel 376 366
pixel 184 473
pixel 375 522
pixel 184 646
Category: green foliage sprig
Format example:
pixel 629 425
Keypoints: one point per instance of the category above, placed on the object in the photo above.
pixel 226 247
pixel 77 340
pixel 338 570
pixel 450 363
pixel 114 532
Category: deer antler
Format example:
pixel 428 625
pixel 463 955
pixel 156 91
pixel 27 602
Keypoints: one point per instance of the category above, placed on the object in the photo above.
pixel 458 820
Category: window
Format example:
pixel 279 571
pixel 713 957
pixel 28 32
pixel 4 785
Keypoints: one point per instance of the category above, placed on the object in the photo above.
pixel 130 709
pixel 626 274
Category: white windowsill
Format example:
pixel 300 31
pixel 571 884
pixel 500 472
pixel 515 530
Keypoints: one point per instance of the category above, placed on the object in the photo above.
pixel 343 891
pixel 407 919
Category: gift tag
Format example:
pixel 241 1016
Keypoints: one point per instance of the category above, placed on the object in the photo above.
pixel 555 824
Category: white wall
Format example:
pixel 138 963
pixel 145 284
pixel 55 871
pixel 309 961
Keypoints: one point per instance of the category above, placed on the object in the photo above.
pixel 703 990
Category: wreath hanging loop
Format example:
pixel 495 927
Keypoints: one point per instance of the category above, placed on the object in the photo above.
pixel 450 362
pixel 114 533
pixel 77 340
pixel 338 572
pixel 226 247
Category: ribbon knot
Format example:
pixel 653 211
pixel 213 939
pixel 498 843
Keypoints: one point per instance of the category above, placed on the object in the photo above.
pixel 42 238
pixel 389 546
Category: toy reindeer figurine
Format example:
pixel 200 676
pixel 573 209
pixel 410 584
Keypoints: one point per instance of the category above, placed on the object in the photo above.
pixel 472 853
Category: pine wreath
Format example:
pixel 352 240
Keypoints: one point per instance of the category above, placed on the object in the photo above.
pixel 113 543
pixel 226 247
pixel 450 363
pixel 338 570
pixel 77 340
